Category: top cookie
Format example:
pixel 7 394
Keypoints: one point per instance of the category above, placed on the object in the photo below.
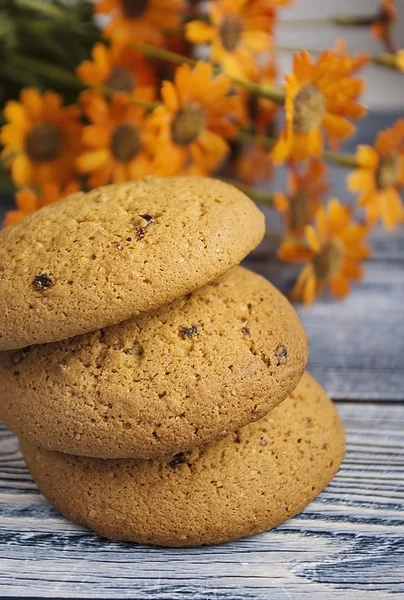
pixel 97 259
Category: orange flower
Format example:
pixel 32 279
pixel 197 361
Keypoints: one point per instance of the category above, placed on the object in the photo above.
pixel 237 30
pixel 335 247
pixel 118 140
pixel 196 118
pixel 28 201
pixel 253 165
pixel 319 97
pixel 358 60
pixel 382 25
pixel 305 191
pixel 42 137
pixel 119 68
pixel 380 177
pixel 140 20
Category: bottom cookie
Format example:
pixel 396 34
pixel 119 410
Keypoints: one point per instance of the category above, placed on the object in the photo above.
pixel 248 482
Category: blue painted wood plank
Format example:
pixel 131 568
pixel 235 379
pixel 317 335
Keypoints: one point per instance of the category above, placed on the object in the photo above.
pixel 349 543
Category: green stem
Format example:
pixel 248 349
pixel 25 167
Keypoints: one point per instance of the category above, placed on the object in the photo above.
pixel 110 92
pixel 273 93
pixel 340 20
pixel 340 159
pixel 162 53
pixel 253 192
pixel 385 59
pixel 49 71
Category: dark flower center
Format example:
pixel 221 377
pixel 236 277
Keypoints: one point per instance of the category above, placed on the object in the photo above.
pixel 44 142
pixel 188 124
pixel 328 260
pixel 121 80
pixel 134 9
pixel 125 142
pixel 298 211
pixel 388 171
pixel 309 109
pixel 230 32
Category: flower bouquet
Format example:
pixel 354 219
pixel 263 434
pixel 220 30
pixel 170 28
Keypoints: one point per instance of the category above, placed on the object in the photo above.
pixel 120 89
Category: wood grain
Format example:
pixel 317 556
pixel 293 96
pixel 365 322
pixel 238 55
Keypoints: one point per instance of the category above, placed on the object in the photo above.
pixel 349 543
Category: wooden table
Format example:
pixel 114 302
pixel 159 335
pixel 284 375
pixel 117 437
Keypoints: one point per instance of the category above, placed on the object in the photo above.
pixel 349 543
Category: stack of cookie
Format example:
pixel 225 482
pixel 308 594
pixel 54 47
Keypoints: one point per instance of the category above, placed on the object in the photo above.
pixel 157 388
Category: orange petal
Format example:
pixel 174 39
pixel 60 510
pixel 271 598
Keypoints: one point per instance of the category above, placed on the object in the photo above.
pixel 32 99
pixel 367 157
pixel 310 289
pixel 21 171
pixel 392 208
pixel 339 285
pixel 281 202
pixel 361 180
pixel 338 216
pixel 312 238
pixel 14 111
pixel 199 32
pixel 169 96
pixel 26 200
pixel 14 216
pixel 337 126
pixel 91 161
pixel 257 41
pixel 352 270
pixel 294 252
pixel 95 136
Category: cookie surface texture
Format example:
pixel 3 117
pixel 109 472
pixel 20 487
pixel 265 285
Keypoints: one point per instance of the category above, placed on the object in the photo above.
pixel 162 382
pixel 248 482
pixel 96 259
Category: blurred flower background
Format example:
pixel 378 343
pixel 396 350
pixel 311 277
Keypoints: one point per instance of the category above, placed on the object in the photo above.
pixel 115 90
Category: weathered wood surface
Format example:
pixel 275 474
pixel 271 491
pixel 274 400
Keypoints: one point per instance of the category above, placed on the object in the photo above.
pixel 349 543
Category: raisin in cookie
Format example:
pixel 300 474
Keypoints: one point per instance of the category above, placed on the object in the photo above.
pixel 97 259
pixel 247 483
pixel 162 382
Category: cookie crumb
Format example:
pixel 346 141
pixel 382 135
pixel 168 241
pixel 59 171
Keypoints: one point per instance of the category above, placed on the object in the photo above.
pixel 140 232
pixel 188 332
pixel 42 282
pixel 179 459
pixel 263 442
pixel 236 437
pixel 281 354
pixel 246 330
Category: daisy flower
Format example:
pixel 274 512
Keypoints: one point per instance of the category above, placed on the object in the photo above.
pixel 194 121
pixel 118 67
pixel 117 141
pixel 305 191
pixel 380 176
pixel 320 97
pixel 236 31
pixel 140 20
pixel 333 251
pixel 41 137
pixel 28 201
